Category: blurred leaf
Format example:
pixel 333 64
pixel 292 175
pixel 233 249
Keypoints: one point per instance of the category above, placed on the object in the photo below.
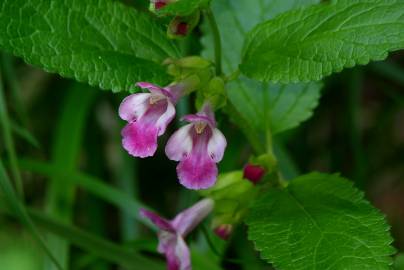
pixel 25 134
pixel 399 262
pixel 182 7
pixel 18 210
pixel 258 104
pixel 104 249
pixel 66 151
pixel 310 43
pixel 320 221
pixel 101 42
pixel 91 184
pixel 8 140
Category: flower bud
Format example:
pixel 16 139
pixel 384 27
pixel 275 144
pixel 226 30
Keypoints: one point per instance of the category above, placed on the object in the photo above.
pixel 180 27
pixel 224 231
pixel 253 173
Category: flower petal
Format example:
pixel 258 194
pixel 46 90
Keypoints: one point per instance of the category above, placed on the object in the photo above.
pixel 183 254
pixel 160 222
pixel 180 143
pixel 192 118
pixel 217 145
pixel 165 118
pixel 188 219
pixel 197 171
pixel 140 139
pixel 134 106
pixel 155 89
pixel 176 251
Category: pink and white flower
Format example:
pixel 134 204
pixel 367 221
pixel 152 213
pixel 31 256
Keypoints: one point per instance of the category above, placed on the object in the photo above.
pixel 148 115
pixel 198 146
pixel 172 233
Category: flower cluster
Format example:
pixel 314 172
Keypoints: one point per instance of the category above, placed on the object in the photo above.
pixel 197 146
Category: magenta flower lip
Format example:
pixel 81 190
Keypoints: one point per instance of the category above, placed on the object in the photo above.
pixel 172 233
pixel 197 146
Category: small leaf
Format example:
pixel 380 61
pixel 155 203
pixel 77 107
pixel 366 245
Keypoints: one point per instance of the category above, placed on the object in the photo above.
pixel 310 43
pixel 101 42
pixel 182 7
pixel 320 221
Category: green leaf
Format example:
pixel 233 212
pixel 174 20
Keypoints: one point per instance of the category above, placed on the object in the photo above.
pixel 183 7
pixel 101 42
pixel 320 221
pixel 310 43
pixel 258 104
pixel 286 106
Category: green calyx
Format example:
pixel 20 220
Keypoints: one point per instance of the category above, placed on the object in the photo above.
pixel 232 195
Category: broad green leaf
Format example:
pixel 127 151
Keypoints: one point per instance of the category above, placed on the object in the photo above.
pixel 101 42
pixel 258 104
pixel 282 106
pixel 310 43
pixel 320 221
pixel 183 7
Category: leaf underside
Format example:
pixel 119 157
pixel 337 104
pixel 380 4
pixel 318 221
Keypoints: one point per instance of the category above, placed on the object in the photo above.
pixel 320 222
pixel 101 42
pixel 310 43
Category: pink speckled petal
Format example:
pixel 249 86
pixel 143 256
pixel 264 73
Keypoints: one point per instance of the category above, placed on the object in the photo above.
pixel 165 118
pixel 197 171
pixel 217 145
pixel 139 139
pixel 180 143
pixel 134 106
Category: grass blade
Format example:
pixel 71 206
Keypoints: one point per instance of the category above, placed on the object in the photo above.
pixel 95 245
pixel 18 209
pixel 9 142
pixel 91 184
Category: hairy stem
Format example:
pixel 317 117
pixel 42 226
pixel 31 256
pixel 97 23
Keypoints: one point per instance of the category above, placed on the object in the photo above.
pixel 216 40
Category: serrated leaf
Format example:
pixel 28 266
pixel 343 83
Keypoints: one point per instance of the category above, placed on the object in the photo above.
pixel 101 42
pixel 320 221
pixel 310 43
pixel 285 106
pixel 182 7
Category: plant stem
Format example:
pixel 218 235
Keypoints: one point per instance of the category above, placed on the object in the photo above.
pixel 9 142
pixel 216 40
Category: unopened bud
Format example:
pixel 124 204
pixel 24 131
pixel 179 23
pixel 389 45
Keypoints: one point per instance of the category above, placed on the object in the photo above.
pixel 224 231
pixel 253 173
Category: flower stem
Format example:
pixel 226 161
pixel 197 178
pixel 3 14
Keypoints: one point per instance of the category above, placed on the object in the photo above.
pixel 216 40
